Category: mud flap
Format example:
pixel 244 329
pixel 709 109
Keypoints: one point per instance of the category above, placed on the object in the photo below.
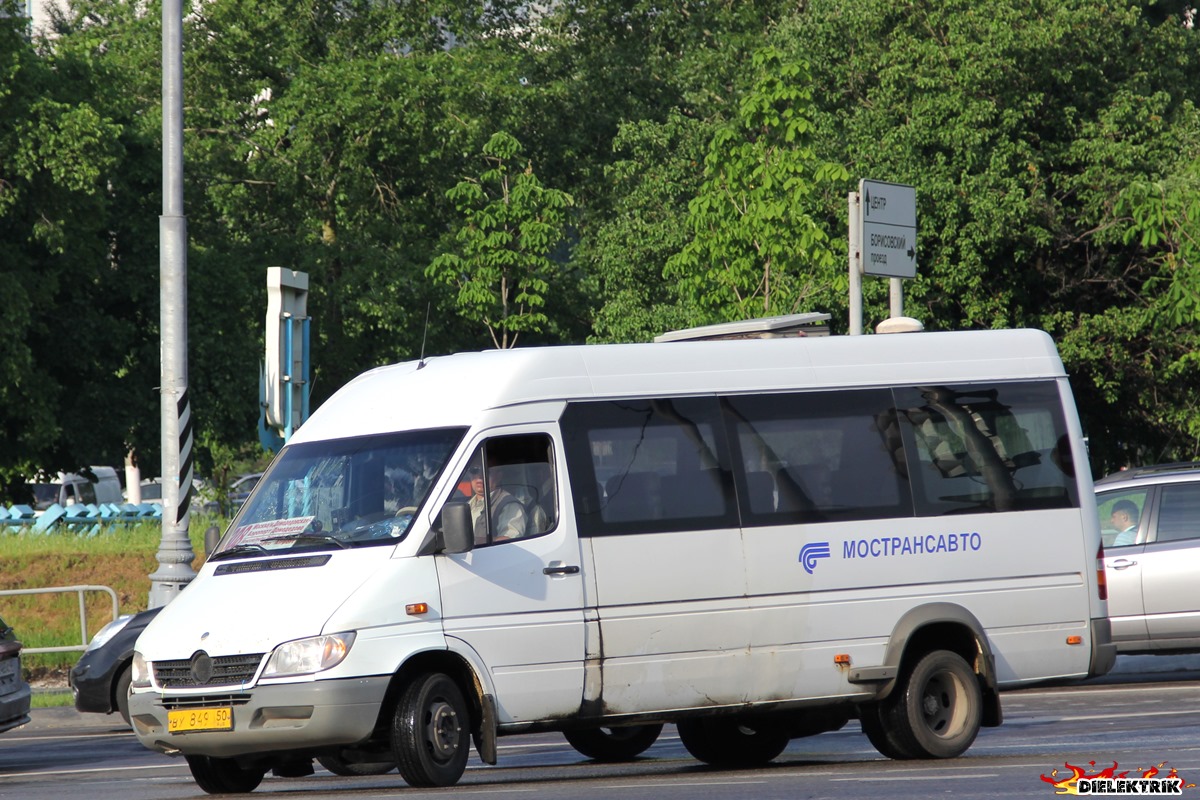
pixel 485 735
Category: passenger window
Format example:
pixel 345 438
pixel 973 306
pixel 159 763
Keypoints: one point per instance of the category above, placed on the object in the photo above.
pixel 976 448
pixel 1122 517
pixel 516 475
pixel 1178 512
pixel 640 466
pixel 817 456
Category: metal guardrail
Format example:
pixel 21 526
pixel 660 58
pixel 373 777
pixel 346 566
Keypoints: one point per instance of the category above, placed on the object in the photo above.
pixel 79 590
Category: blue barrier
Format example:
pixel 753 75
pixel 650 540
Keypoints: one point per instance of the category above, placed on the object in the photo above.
pixel 81 519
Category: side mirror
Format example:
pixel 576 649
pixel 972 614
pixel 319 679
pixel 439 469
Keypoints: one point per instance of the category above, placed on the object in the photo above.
pixel 212 537
pixel 458 534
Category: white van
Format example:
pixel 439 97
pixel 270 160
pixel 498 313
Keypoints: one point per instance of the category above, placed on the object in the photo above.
pixel 100 486
pixel 755 540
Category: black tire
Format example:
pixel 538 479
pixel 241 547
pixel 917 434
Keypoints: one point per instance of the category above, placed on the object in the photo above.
pixel 878 735
pixel 729 742
pixel 339 766
pixel 223 775
pixel 614 744
pixel 936 710
pixel 431 732
pixel 121 693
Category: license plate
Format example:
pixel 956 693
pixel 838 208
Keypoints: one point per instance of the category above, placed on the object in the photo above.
pixel 200 719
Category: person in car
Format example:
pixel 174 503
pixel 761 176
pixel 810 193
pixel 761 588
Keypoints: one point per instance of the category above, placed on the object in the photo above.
pixel 1125 519
pixel 507 513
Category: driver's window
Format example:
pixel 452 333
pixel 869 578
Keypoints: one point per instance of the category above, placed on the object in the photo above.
pixel 516 476
pixel 1122 520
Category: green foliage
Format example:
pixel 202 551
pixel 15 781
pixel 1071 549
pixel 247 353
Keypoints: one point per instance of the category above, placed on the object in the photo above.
pixel 1053 146
pixel 511 224
pixel 758 249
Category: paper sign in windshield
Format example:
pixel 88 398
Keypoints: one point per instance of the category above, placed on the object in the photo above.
pixel 271 529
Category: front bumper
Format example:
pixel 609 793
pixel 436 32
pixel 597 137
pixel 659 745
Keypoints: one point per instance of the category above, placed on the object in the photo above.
pixel 278 718
pixel 92 685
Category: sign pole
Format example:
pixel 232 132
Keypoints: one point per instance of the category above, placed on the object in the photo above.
pixel 856 299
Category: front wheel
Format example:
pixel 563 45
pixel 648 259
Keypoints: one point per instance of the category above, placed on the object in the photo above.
pixel 729 742
pixel 223 775
pixel 431 732
pixel 121 693
pixel 936 711
pixel 614 744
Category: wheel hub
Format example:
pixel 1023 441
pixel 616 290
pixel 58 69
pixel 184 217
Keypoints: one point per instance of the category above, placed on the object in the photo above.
pixel 443 730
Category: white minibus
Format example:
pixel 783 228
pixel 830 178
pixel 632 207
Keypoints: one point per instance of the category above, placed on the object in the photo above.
pixel 753 540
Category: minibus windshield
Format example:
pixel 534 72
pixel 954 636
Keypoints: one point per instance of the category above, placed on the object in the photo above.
pixel 340 493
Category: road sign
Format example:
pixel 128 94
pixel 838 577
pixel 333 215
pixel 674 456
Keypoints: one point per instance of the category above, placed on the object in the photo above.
pixel 889 229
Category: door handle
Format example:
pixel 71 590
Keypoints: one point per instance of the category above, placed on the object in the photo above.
pixel 1123 563
pixel 559 568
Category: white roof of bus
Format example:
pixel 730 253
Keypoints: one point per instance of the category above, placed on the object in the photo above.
pixel 454 390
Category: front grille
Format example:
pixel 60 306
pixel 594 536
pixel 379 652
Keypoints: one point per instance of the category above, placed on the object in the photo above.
pixel 226 671
pixel 204 701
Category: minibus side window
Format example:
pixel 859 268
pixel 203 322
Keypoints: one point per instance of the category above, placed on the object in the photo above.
pixel 648 465
pixel 516 475
pixel 991 447
pixel 817 456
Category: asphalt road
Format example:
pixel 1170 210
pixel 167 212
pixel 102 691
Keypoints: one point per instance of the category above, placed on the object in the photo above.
pixel 1145 714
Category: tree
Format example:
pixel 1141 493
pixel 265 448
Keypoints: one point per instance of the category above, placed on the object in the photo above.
pixel 511 225
pixel 1021 125
pixel 759 248
pixel 70 388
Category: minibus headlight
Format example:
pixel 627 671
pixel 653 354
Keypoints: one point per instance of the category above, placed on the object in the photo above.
pixel 139 672
pixel 305 656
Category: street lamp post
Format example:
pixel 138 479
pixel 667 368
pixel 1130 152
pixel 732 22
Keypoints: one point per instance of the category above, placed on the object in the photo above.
pixel 175 549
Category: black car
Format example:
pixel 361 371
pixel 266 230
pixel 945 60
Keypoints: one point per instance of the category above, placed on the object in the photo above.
pixel 100 679
pixel 14 691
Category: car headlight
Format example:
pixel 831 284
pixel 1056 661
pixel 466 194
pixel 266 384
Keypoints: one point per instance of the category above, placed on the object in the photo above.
pixel 140 672
pixel 108 631
pixel 306 656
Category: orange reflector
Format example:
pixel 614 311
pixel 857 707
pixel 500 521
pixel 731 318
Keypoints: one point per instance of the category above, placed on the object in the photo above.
pixel 1074 640
pixel 416 609
pixel 842 659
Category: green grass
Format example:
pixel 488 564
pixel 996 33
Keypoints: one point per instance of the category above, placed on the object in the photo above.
pixel 118 557
pixel 52 700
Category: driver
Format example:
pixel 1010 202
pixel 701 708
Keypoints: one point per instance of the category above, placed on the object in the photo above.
pixel 507 513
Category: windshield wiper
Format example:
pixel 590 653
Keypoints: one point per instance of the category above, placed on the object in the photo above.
pixel 312 538
pixel 239 550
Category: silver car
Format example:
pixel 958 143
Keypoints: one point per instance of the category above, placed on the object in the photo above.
pixel 1150 523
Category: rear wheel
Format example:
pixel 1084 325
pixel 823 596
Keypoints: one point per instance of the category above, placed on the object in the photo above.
pixel 223 775
pixel 431 732
pixel 936 711
pixel 729 742
pixel 340 766
pixel 614 744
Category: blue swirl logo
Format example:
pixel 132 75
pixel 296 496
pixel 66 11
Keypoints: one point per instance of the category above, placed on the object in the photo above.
pixel 811 552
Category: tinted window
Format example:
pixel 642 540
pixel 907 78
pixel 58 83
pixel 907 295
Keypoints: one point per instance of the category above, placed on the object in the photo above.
pixel 817 456
pixel 1178 512
pixel 648 465
pixel 982 448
